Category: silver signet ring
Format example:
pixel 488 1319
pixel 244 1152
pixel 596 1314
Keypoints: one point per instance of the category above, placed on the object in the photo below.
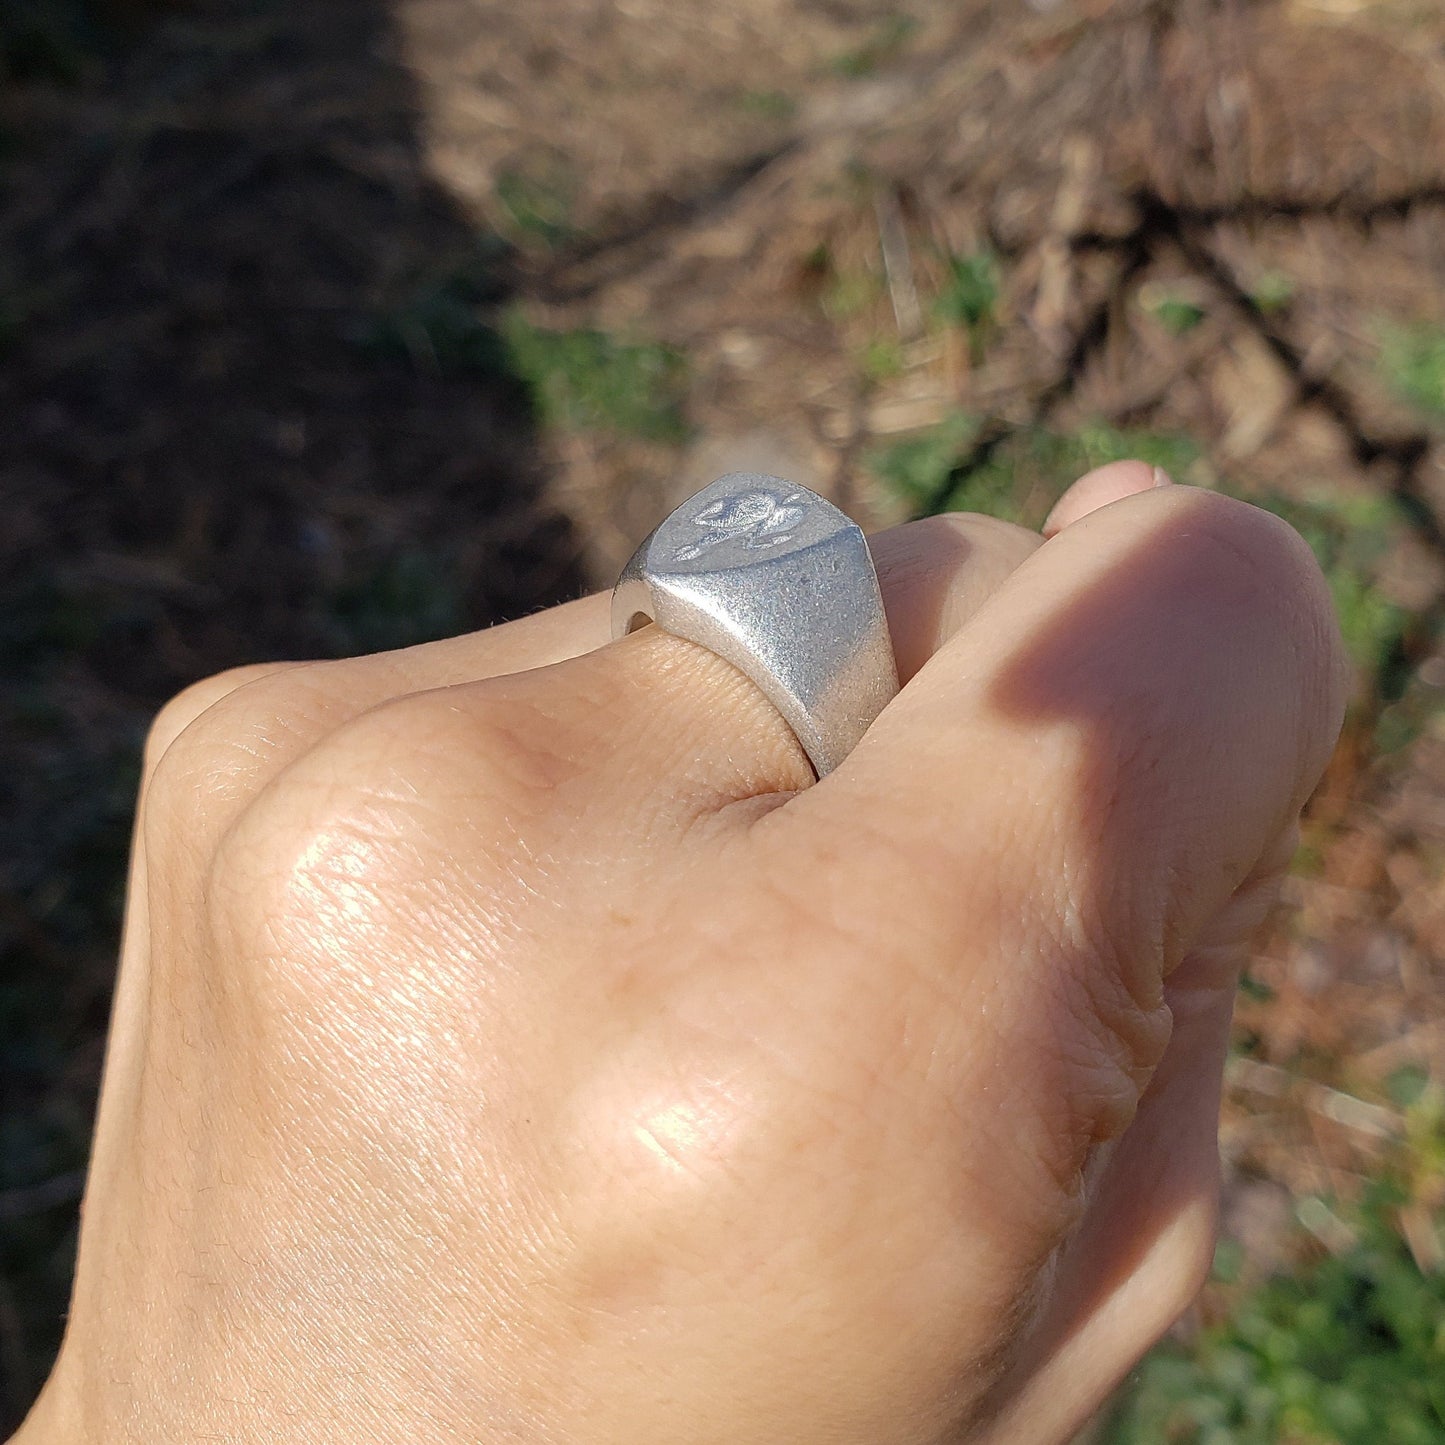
pixel 780 583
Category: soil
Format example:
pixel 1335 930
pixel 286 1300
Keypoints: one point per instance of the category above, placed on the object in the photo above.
pixel 207 458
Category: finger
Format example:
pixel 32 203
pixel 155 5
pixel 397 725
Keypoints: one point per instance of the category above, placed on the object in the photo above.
pixel 1110 483
pixel 909 560
pixel 936 573
pixel 1069 792
pixel 905 557
pixel 932 573
pixel 646 704
pixel 660 722
pixel 332 691
pixel 683 713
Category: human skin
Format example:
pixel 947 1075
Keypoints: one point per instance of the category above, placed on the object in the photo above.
pixel 513 1042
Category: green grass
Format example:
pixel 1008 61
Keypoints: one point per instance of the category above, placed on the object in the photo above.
pixel 775 105
pixel 970 292
pixel 1412 359
pixel 969 297
pixel 1273 291
pixel 537 208
pixel 1350 540
pixel 1177 314
pixel 923 466
pixel 444 322
pixel 1021 478
pixel 881 359
pixel 589 379
pixel 1349 1350
pixel 849 293
pixel 574 380
pixel 888 36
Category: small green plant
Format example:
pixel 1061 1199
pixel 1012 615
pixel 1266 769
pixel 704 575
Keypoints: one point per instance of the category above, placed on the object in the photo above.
pixel 444 324
pixel 536 208
pixel 969 296
pixel 850 293
pixel 768 104
pixel 589 379
pixel 1423 1100
pixel 886 40
pixel 882 359
pixel 1097 443
pixel 1273 291
pixel 1176 311
pixel 1413 361
pixel 921 467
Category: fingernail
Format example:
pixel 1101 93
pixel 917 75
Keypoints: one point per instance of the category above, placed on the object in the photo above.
pixel 1162 478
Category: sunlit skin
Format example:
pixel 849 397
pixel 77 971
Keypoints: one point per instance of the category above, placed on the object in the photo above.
pixel 512 1042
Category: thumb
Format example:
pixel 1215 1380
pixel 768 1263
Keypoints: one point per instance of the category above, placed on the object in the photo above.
pixel 1066 799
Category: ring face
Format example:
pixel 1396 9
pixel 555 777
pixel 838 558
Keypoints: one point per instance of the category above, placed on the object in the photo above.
pixel 780 583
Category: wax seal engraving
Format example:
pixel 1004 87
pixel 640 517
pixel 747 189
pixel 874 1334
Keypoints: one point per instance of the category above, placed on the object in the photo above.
pixel 777 581
pixel 755 519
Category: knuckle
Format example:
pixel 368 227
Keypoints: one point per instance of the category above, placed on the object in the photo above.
pixel 987 549
pixel 207 749
pixel 992 537
pixel 731 1137
pixel 301 879
pixel 1121 1034
pixel 376 811
pixel 193 702
pixel 300 886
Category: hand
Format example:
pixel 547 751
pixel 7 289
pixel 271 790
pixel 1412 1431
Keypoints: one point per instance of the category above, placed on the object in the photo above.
pixel 511 1044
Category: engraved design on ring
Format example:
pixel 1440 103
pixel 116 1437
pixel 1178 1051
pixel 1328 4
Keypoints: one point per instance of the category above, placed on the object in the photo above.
pixel 777 581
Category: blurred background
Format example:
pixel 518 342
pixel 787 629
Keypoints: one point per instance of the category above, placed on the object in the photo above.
pixel 334 325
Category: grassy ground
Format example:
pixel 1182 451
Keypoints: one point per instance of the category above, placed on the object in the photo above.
pixel 330 327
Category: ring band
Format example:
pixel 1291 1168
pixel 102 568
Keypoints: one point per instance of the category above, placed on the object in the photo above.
pixel 780 583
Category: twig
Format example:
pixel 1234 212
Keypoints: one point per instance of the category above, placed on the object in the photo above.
pixel 897 263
